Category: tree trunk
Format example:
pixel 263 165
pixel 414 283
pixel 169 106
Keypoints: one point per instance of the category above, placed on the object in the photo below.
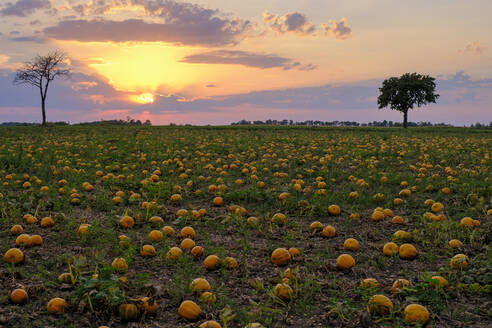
pixel 405 113
pixel 43 109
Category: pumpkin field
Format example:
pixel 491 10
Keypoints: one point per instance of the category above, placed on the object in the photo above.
pixel 176 226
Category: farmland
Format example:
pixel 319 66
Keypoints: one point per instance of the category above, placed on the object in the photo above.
pixel 127 218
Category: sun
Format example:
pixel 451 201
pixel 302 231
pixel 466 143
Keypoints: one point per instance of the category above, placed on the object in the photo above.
pixel 144 98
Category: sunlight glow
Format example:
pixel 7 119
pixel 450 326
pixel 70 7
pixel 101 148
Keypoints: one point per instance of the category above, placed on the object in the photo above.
pixel 144 98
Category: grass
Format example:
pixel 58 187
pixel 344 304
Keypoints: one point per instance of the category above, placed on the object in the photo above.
pixel 282 158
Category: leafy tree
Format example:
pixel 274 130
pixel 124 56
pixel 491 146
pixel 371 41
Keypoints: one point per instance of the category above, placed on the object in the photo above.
pixel 41 71
pixel 404 92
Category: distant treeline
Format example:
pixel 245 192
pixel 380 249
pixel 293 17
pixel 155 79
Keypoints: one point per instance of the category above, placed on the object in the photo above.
pixel 102 122
pixel 349 123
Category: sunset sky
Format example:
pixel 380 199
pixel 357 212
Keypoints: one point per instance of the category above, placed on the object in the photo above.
pixel 219 61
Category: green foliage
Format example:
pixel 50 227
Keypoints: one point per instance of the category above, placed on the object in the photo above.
pixel 404 92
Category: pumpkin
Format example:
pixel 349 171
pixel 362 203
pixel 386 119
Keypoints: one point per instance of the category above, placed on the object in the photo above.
pixel 230 262
pixel 345 262
pixel 119 264
pixel 438 281
pixel 65 278
pixel 407 251
pixel 437 207
pixel 187 243
pixel 200 285
pixel 283 291
pixel 176 198
pixel 30 219
pixel 36 240
pixel 379 304
pixel 369 282
pixel 398 285
pixel 280 256
pixel 390 249
pixel 218 201
pixel 401 235
pixel 56 305
pixel 252 220
pixel 459 261
pixel 156 220
pixel 189 310
pixel 316 226
pixel 211 262
pixel 148 251
pixel 208 298
pixel 279 218
pixel 83 228
pixel 334 210
pixel 416 313
pixel 354 194
pixel 377 216
pixel 181 212
pixel 351 244
pixel 294 252
pixel 13 256
pixel 397 219
pixel 455 243
pixel 466 222
pixel 329 231
pixel 197 251
pixel 289 274
pixel 127 222
pixel 129 312
pixel 188 232
pixel 210 324
pixel 23 240
pixel 18 296
pixel 16 229
pixel 174 253
pixel 47 222
pixel 168 230
pixel 388 212
pixel 155 235
pixel 147 305
pixel 254 325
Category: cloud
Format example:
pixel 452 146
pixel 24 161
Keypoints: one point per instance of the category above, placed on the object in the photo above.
pixel 339 30
pixel 207 86
pixel 214 33
pixel 23 8
pixel 245 58
pixel 294 22
pixel 172 22
pixel 474 48
pixel 28 39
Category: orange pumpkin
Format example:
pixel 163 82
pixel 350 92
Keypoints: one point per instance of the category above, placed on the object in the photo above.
pixel 379 304
pixel 188 232
pixel 210 324
pixel 147 305
pixel 197 251
pixel 174 253
pixel 18 296
pixel 200 285
pixel 211 262
pixel 280 256
pixel 13 256
pixel 129 312
pixel 56 305
pixel 36 240
pixel 345 262
pixel 189 310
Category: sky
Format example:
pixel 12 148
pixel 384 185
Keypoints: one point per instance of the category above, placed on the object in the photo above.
pixel 221 61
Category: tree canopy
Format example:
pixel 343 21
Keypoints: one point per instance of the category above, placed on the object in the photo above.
pixel 404 92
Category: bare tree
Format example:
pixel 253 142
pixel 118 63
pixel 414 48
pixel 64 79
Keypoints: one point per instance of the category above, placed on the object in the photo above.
pixel 41 71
